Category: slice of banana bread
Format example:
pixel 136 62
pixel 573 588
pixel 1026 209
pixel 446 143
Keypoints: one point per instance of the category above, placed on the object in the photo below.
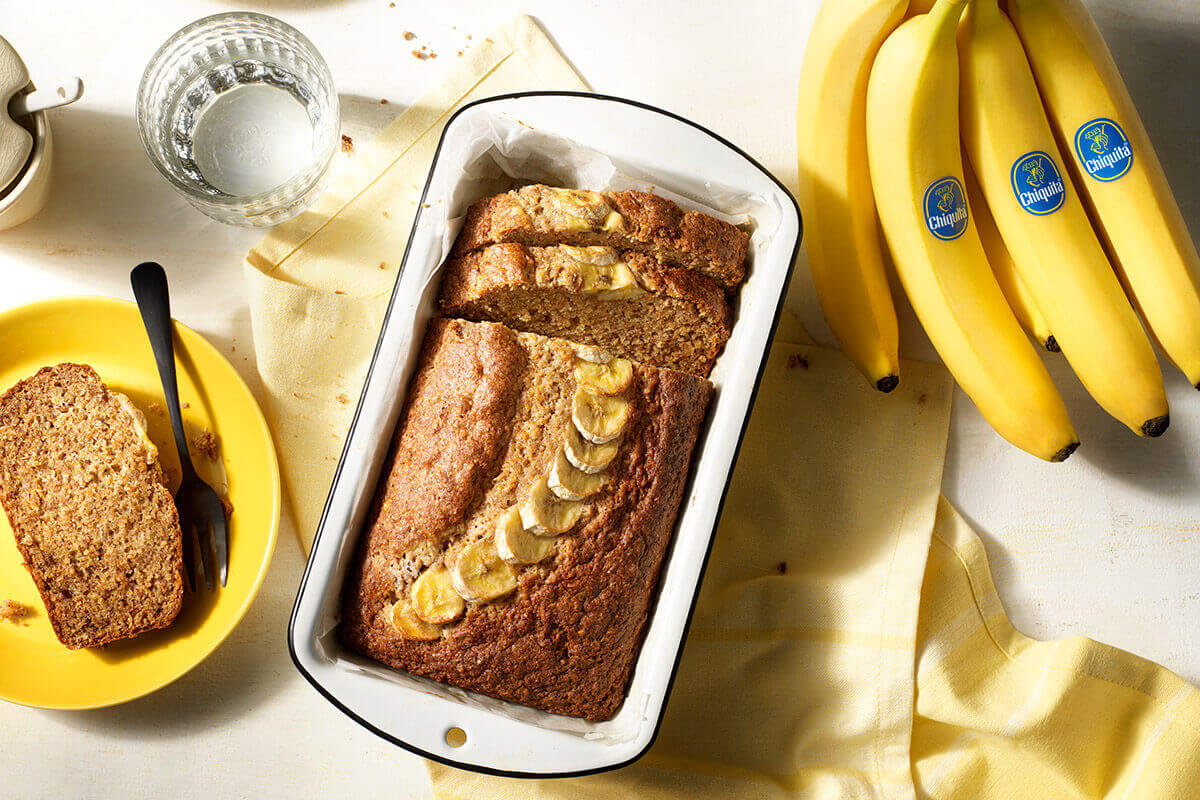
pixel 521 522
pixel 540 215
pixel 625 302
pixel 86 499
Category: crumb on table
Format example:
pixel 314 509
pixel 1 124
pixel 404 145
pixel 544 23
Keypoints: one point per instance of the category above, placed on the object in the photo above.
pixel 347 143
pixel 205 443
pixel 13 610
pixel 343 399
pixel 156 408
pixel 409 36
pixel 797 360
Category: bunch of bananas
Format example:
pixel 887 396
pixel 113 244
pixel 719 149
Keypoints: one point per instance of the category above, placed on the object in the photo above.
pixel 996 156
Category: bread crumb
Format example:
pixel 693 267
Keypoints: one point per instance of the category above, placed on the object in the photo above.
pixel 14 611
pixel 420 54
pixel 156 408
pixel 341 398
pixel 347 144
pixel 185 404
pixel 922 398
pixel 782 567
pixel 227 507
pixel 409 36
pixel 797 360
pixel 383 265
pixel 205 443
pixel 383 101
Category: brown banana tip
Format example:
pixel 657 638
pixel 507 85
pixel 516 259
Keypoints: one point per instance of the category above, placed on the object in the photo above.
pixel 888 383
pixel 1157 426
pixel 1065 453
pixel 1052 345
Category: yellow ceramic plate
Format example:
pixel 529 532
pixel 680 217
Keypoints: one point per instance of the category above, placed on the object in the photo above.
pixel 107 334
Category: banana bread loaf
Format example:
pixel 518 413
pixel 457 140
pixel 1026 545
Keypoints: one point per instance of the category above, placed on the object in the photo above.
pixel 88 504
pixel 540 215
pixel 626 302
pixel 518 531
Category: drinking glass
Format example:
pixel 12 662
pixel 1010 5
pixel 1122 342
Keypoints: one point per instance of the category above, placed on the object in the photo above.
pixel 238 111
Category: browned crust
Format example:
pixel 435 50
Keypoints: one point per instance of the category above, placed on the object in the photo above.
pixel 654 225
pixel 473 277
pixel 566 641
pixel 462 397
pixel 11 409
pixel 698 236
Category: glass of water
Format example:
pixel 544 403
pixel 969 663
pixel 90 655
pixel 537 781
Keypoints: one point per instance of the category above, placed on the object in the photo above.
pixel 238 111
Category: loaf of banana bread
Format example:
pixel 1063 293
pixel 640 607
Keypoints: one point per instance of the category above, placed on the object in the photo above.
pixel 517 534
pixel 540 215
pixel 626 302
pixel 86 499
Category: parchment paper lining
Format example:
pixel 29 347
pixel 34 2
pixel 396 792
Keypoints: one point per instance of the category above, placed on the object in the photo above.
pixel 497 153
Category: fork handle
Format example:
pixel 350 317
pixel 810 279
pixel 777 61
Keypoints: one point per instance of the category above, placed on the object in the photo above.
pixel 154 302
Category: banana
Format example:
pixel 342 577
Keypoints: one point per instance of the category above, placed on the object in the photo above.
pixel 1046 228
pixel 588 457
pixel 840 221
pixel 546 514
pixel 433 597
pixel 406 621
pixel 1115 167
pixel 1014 289
pixel 480 575
pixel 917 171
pixel 603 273
pixel 593 354
pixel 613 377
pixel 570 483
pixel 517 545
pixel 918 7
pixel 599 418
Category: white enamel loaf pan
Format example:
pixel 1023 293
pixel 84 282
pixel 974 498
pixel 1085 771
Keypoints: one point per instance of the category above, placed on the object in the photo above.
pixel 570 136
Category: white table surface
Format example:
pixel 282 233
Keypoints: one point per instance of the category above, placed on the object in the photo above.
pixel 1105 545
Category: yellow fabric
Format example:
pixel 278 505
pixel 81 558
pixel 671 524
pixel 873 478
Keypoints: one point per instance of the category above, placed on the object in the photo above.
pixel 835 653
pixel 1000 715
pixel 319 284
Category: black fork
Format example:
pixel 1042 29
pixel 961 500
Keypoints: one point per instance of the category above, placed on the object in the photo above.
pixel 201 514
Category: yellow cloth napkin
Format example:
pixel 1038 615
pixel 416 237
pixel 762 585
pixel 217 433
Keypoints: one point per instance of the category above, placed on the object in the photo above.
pixel 319 284
pixel 833 653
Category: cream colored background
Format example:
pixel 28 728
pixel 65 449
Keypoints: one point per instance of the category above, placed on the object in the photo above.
pixel 1105 545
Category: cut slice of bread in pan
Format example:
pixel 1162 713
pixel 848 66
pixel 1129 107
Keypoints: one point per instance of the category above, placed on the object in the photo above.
pixel 540 215
pixel 625 302
pixel 86 499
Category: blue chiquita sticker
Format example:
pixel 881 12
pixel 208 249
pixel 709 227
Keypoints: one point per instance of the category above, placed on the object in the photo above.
pixel 945 207
pixel 1104 149
pixel 1038 184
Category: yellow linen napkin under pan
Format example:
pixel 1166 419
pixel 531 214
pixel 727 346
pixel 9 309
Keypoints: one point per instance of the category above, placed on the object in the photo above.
pixel 848 641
